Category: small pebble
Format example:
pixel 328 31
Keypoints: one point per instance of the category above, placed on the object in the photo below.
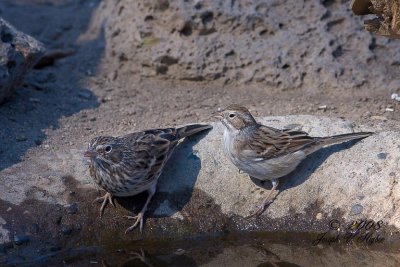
pixel 85 94
pixel 318 216
pixel 356 209
pixel 38 142
pixel 322 107
pixel 382 155
pixel 106 99
pixel 395 97
pixel 21 138
pixel 72 208
pixel 179 252
pixel 21 239
pixel 34 100
pixel 389 109
pixel 381 118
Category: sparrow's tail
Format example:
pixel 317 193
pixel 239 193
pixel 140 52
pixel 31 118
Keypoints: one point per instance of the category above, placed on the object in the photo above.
pixel 336 139
pixel 191 129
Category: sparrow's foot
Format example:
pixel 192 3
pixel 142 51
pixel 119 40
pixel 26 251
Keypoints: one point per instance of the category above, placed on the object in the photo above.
pixel 107 198
pixel 267 201
pixel 139 221
pixel 260 209
pixel 140 217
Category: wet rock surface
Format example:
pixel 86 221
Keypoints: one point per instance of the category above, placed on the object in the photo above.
pixel 231 250
pixel 19 52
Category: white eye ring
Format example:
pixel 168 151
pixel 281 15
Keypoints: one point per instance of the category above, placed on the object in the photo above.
pixel 108 149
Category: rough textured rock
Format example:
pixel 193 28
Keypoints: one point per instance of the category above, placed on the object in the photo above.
pixel 285 44
pixel 18 54
pixel 335 178
pixel 387 20
pixel 346 182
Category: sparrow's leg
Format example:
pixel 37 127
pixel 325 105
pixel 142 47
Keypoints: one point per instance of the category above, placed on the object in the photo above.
pixel 107 198
pixel 268 200
pixel 140 217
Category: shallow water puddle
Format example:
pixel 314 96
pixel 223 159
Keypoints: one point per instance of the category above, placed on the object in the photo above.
pixel 254 249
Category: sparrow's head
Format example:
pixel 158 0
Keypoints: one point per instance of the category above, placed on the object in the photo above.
pixel 235 117
pixel 105 149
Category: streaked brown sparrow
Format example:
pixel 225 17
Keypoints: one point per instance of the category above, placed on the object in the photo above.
pixel 130 164
pixel 267 153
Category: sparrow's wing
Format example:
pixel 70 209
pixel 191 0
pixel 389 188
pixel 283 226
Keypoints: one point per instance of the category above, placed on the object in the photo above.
pixel 150 150
pixel 267 142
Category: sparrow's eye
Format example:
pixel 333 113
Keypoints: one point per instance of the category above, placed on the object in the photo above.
pixel 231 115
pixel 108 149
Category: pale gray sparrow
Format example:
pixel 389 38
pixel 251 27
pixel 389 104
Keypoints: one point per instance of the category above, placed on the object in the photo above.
pixel 267 153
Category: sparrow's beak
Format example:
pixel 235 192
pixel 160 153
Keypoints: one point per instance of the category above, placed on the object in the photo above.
pixel 217 115
pixel 90 153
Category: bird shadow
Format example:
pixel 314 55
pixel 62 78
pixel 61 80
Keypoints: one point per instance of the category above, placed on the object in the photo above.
pixel 175 184
pixel 305 168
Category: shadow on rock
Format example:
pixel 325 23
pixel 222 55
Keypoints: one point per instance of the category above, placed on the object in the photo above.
pixel 53 92
pixel 175 185
pixel 306 167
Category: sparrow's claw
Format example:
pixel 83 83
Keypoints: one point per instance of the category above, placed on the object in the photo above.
pixel 107 198
pixel 140 217
pixel 267 201
pixel 259 211
pixel 139 220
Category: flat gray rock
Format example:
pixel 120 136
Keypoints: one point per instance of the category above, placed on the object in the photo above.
pixel 338 177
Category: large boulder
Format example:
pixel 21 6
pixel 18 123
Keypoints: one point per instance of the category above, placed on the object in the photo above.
pixel 280 44
pixel 354 180
pixel 201 191
pixel 19 52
